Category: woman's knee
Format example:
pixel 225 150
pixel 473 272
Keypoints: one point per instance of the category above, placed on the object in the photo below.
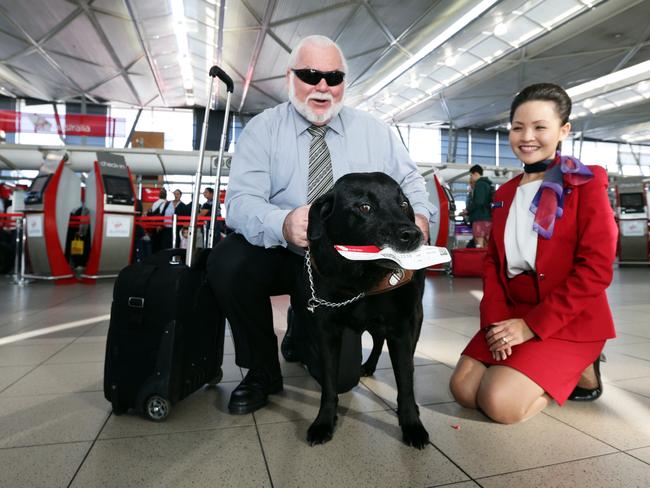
pixel 498 404
pixel 463 390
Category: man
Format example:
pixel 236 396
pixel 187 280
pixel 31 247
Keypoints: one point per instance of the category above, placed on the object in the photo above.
pixel 159 207
pixel 206 211
pixel 162 238
pixel 179 206
pixel 286 157
pixel 206 208
pixel 478 206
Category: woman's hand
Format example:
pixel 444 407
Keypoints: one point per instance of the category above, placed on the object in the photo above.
pixel 501 355
pixel 503 335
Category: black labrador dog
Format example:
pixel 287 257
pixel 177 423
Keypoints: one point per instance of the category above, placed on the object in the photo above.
pixel 364 209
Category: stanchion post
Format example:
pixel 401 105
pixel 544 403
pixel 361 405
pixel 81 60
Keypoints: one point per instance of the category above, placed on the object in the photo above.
pixel 23 239
pixel 19 235
pixel 174 228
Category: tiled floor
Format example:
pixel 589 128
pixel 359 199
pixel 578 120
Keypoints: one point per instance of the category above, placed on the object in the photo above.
pixel 56 429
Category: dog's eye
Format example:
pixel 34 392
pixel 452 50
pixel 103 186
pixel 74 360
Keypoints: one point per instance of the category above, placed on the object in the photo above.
pixel 365 208
pixel 404 206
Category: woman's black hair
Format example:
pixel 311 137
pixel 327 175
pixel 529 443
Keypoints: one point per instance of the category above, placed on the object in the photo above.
pixel 545 92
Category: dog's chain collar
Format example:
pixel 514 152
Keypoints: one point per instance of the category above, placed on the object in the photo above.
pixel 314 301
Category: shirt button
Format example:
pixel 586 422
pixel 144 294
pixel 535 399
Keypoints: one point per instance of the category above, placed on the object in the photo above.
pixel 542 276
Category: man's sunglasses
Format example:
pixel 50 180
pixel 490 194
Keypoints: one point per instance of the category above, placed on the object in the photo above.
pixel 313 76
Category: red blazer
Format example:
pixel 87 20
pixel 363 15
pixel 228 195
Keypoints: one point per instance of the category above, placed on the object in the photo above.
pixel 573 267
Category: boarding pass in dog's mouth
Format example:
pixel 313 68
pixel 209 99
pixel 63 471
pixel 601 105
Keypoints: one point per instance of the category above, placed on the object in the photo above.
pixel 422 257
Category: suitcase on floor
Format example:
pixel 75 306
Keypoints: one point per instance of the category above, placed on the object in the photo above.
pixel 166 333
pixel 165 337
pixel 468 261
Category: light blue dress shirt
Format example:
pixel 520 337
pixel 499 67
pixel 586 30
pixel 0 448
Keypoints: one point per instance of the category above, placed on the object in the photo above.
pixel 268 174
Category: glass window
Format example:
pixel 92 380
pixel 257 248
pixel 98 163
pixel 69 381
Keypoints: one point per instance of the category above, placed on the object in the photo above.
pixel 507 158
pixel 177 125
pixel 603 154
pixel 461 146
pixel 423 144
pixel 483 148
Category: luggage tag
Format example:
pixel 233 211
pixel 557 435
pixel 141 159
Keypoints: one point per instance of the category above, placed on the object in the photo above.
pixel 422 257
pixel 77 246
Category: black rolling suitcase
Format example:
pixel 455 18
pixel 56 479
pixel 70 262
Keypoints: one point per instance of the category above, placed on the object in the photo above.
pixel 166 333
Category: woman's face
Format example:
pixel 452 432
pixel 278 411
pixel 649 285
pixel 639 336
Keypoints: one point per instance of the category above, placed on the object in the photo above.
pixel 177 195
pixel 536 131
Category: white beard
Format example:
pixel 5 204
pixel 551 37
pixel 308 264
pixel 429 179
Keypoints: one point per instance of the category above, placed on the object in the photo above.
pixel 305 110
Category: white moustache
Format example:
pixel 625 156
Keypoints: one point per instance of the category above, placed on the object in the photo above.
pixel 320 96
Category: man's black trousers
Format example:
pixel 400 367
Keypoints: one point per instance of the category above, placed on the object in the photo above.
pixel 243 278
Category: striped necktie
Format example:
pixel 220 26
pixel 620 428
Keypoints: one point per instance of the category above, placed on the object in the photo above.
pixel 320 164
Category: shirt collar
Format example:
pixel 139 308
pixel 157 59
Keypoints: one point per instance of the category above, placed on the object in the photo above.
pixel 302 124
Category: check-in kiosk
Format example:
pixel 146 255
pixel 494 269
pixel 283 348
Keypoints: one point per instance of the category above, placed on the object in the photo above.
pixel 110 199
pixel 53 194
pixel 632 213
pixel 441 231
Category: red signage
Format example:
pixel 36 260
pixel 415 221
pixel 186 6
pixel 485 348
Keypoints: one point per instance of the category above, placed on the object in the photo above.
pixel 150 195
pixel 71 124
pixel 5 191
pixel 8 120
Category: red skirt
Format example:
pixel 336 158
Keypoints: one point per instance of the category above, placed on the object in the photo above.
pixel 554 364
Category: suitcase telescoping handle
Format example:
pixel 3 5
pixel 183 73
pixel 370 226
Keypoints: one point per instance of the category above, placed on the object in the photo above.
pixel 215 72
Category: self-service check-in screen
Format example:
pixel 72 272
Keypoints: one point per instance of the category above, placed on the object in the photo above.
pixel 35 192
pixel 118 190
pixel 631 202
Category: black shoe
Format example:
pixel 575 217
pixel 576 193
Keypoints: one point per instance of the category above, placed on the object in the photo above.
pixel 580 394
pixel 252 393
pixel 287 347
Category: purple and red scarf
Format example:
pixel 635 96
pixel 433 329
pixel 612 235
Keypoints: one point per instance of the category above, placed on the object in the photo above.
pixel 548 203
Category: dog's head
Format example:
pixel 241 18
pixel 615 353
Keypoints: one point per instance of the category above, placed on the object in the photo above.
pixel 364 209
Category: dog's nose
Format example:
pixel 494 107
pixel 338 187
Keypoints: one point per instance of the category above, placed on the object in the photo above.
pixel 410 235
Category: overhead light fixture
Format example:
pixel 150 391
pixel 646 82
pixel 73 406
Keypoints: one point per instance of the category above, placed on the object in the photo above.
pixel 563 15
pixel 500 29
pixel 184 60
pixel 500 34
pixel 603 108
pixel 436 42
pixel 620 76
pixel 636 137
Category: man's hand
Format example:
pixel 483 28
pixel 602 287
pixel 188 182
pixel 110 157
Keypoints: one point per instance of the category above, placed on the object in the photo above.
pixel 423 223
pixel 294 228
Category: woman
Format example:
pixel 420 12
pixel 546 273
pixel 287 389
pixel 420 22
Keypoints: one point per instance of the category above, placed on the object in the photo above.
pixel 544 312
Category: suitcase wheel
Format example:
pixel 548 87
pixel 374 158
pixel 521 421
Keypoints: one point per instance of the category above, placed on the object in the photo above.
pixel 218 377
pixel 157 408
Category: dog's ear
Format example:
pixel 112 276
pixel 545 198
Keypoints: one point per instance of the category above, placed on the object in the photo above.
pixel 319 213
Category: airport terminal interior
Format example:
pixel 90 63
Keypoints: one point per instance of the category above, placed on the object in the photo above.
pixel 103 105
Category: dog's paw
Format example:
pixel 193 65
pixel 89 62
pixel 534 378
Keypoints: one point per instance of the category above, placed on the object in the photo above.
pixel 320 433
pixel 415 435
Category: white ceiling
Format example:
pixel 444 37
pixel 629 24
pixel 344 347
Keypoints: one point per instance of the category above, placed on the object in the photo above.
pixel 127 51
